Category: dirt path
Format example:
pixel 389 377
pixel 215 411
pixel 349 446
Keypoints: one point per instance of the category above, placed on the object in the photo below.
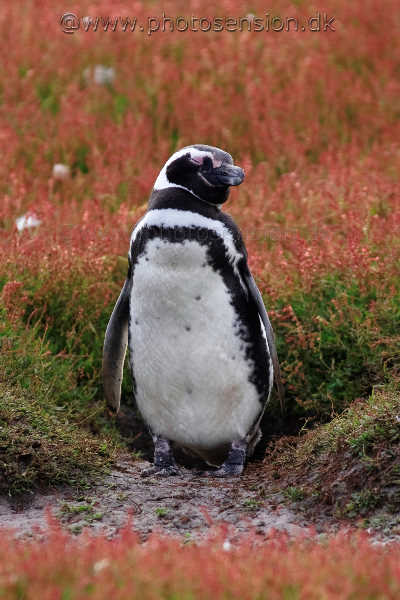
pixel 181 505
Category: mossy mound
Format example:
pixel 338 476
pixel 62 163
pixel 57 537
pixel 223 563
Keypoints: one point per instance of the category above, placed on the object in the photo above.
pixel 45 420
pixel 349 467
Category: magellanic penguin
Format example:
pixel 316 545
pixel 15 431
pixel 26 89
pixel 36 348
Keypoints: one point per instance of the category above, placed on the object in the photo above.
pixel 201 345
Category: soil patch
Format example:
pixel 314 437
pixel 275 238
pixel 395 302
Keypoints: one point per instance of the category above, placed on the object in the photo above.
pixel 185 505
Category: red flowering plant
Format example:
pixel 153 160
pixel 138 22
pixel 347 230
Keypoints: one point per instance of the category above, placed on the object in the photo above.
pixel 344 566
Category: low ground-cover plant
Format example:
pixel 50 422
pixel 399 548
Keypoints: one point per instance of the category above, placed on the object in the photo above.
pixel 61 566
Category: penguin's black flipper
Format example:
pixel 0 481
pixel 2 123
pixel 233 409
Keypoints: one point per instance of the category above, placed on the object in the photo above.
pixel 255 294
pixel 114 350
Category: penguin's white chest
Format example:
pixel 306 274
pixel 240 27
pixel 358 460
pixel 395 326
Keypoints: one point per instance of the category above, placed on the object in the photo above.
pixel 188 361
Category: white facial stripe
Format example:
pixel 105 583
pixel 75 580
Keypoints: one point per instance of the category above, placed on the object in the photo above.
pixel 162 181
pixel 171 217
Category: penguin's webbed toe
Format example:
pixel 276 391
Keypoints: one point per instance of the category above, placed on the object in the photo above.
pixel 224 471
pixel 164 471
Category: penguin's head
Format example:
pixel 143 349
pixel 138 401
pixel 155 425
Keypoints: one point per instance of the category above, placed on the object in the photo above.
pixel 205 171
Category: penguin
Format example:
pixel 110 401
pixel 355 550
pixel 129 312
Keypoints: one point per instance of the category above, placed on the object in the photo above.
pixel 201 346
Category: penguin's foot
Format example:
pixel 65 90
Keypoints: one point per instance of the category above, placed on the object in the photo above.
pixel 234 464
pixel 168 471
pixel 164 462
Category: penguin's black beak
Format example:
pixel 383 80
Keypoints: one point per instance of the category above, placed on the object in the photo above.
pixel 224 175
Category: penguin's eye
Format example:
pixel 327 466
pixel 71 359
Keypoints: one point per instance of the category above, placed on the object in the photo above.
pixel 207 164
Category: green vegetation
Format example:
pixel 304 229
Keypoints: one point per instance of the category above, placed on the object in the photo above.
pixel 294 494
pixel 45 439
pixel 87 511
pixel 335 344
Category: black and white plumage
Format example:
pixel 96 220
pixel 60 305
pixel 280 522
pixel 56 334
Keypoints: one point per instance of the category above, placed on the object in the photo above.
pixel 201 345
